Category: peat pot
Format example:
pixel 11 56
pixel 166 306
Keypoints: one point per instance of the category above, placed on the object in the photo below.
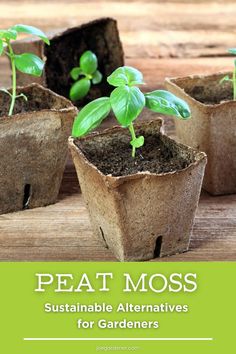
pixel 211 129
pixel 140 208
pixel 33 148
pixel 66 46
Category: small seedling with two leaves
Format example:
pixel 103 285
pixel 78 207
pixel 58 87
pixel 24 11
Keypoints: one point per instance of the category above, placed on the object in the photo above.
pixel 127 101
pixel 84 74
pixel 27 63
pixel 233 78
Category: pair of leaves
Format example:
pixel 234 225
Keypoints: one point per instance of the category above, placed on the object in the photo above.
pixel 27 63
pixel 13 31
pixel 125 75
pixel 127 102
pixel 226 77
pixel 87 69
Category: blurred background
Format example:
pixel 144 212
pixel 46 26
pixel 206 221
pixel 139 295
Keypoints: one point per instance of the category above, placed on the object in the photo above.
pixel 161 38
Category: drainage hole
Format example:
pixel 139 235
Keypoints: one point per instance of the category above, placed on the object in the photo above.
pixel 157 250
pixel 27 195
pixel 103 237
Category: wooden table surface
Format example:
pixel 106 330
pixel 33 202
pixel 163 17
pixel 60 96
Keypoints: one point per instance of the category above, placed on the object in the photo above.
pixel 161 38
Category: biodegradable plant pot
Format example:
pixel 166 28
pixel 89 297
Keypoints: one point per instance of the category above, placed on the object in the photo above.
pixel 143 214
pixel 212 127
pixel 66 46
pixel 33 148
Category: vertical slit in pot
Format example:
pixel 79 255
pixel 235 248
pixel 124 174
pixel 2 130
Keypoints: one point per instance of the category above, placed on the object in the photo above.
pixel 103 237
pixel 27 195
pixel 157 250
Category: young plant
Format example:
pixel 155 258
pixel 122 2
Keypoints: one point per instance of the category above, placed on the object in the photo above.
pixel 127 101
pixel 84 74
pixel 27 63
pixel 233 78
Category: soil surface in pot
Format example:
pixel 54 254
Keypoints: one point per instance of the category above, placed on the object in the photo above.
pixel 111 154
pixel 208 97
pixel 210 90
pixel 37 100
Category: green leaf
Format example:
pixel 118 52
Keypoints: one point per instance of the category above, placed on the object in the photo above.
pixel 91 116
pixel 8 34
pixel 1 47
pixel 138 142
pixel 164 102
pixel 225 78
pixel 79 89
pixel 29 63
pixel 125 75
pixel 88 62
pixel 97 77
pixel 232 50
pixel 127 103
pixel 31 30
pixel 75 73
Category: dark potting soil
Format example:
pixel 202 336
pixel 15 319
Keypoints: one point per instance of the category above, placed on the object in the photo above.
pixel 101 37
pixel 113 155
pixel 37 100
pixel 209 90
pixel 208 97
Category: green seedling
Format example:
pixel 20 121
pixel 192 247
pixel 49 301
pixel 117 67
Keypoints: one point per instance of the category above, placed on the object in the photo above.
pixel 233 78
pixel 127 101
pixel 27 63
pixel 84 75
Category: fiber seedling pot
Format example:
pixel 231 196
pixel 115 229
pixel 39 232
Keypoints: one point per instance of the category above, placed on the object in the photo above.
pixel 139 215
pixel 33 148
pixel 66 46
pixel 212 127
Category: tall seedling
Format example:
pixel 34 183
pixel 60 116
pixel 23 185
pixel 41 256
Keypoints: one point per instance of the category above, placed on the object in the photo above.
pixel 233 77
pixel 27 63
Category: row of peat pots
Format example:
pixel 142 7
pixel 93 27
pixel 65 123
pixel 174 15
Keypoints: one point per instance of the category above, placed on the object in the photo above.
pixel 140 208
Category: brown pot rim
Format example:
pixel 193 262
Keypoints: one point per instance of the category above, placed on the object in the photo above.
pixel 173 81
pixel 57 32
pixel 200 156
pixel 69 107
pixel 65 30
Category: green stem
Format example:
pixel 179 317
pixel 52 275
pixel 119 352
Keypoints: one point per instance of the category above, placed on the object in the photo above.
pixel 132 132
pixel 13 67
pixel 234 81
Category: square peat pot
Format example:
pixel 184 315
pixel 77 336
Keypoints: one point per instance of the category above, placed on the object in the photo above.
pixel 211 129
pixel 33 148
pixel 66 46
pixel 139 214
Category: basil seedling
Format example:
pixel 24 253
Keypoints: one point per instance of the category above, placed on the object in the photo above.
pixel 27 63
pixel 84 74
pixel 233 79
pixel 127 101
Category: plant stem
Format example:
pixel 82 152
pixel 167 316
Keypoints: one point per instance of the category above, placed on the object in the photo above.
pixel 13 67
pixel 234 81
pixel 132 132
